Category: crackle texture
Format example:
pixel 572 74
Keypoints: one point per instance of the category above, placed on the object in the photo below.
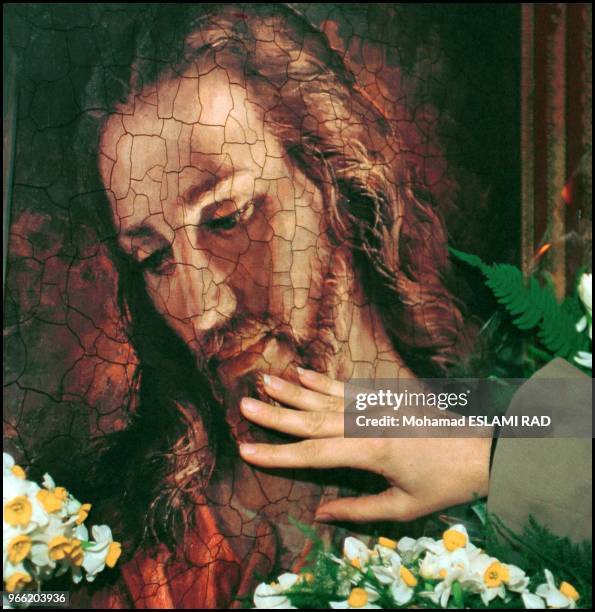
pixel 204 193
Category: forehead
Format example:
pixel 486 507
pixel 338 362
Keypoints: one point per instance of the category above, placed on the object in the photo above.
pixel 194 123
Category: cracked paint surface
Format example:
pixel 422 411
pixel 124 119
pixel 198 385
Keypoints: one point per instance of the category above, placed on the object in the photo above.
pixel 268 195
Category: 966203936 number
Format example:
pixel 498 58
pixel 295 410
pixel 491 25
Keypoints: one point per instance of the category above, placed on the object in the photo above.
pixel 58 599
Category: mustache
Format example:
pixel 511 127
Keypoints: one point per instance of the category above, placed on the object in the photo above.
pixel 246 331
pixel 239 333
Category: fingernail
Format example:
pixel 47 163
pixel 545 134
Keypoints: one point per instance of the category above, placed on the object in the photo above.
pixel 249 405
pixel 271 381
pixel 300 371
pixel 323 518
pixel 247 449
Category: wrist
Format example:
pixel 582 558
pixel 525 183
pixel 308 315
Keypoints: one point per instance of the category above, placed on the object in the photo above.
pixel 480 468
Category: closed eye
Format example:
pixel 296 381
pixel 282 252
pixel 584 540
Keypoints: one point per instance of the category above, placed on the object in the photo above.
pixel 225 223
pixel 159 262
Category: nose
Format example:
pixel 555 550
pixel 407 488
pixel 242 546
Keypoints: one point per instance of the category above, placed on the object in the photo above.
pixel 196 294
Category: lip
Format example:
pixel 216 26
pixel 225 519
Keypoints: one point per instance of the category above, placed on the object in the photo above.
pixel 239 347
pixel 268 353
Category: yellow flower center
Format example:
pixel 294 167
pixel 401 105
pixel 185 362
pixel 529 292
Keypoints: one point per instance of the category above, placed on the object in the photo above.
pixel 61 493
pixel 306 577
pixel 17 581
pixel 17 512
pixel 18 471
pixel 408 578
pixel 50 500
pixel 387 542
pixel 505 573
pixel 496 574
pixel 58 548
pixel 443 573
pixel 75 553
pixel 454 539
pixel 358 598
pixel 569 591
pixel 356 563
pixel 83 514
pixel 113 554
pixel 18 548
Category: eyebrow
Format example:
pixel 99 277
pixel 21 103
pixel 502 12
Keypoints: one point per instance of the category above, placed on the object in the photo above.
pixel 142 230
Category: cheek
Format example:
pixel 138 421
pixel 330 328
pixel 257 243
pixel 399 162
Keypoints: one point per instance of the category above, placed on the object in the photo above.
pixel 296 289
pixel 281 275
pixel 299 257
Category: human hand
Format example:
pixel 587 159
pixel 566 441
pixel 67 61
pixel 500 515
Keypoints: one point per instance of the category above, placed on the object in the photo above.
pixel 424 474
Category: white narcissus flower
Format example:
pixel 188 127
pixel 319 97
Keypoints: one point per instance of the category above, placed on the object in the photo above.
pixel 447 567
pixel 103 551
pixel 14 482
pixel 21 509
pixel 584 359
pixel 360 598
pixel 9 467
pixel 490 578
pixel 16 548
pixel 387 573
pixel 518 581
pixel 272 596
pixel 438 567
pixel 384 552
pixel 48 483
pixel 581 324
pixel 532 602
pixel 17 579
pixel 585 292
pixel 411 549
pixel 441 593
pixel 454 538
pixel 44 526
pixel 398 576
pixel 55 500
pixel 565 596
pixel 56 549
pixel 585 288
pixel 356 552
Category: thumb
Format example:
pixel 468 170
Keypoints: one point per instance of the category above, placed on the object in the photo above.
pixel 391 505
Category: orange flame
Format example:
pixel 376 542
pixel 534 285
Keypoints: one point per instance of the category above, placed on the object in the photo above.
pixel 542 250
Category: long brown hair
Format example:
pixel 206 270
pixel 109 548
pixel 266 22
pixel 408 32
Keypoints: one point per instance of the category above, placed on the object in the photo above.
pixel 342 142
pixel 329 126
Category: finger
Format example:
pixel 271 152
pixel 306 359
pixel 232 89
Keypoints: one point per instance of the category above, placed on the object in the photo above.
pixel 315 424
pixel 317 454
pixel 391 505
pixel 298 397
pixel 321 383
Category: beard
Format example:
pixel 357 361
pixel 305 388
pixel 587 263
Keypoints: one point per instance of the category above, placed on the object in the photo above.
pixel 246 349
pixel 197 417
pixel 233 357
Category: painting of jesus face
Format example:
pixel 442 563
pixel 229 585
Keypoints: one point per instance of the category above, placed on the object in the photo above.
pixel 209 201
pixel 229 234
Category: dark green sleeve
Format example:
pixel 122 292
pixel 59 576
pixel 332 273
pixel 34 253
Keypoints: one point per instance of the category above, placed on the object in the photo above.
pixel 550 479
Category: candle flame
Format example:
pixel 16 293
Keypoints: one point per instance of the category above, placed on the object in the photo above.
pixel 542 250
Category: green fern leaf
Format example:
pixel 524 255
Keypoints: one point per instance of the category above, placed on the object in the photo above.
pixel 532 316
pixel 532 305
